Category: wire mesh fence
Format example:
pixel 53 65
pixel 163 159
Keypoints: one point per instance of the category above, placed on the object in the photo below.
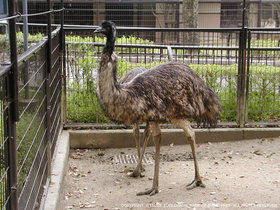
pixel 30 114
pixel 263 70
pixel 31 133
pixel 215 57
pixel 4 170
pixel 31 128
pixel 163 14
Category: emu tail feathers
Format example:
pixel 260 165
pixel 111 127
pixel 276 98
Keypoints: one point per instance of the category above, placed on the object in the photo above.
pixel 210 116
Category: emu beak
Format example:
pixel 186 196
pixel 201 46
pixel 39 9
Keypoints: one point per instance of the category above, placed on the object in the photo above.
pixel 99 30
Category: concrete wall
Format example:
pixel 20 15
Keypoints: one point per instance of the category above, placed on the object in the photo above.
pixel 124 138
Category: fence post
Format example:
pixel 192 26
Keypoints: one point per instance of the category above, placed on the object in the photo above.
pixel 62 42
pixel 13 114
pixel 48 72
pixel 247 78
pixel 241 78
pixel 241 71
pixel 170 54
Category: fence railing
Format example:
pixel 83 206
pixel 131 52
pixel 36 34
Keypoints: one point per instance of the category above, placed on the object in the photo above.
pixel 31 113
pixel 31 131
pixel 241 65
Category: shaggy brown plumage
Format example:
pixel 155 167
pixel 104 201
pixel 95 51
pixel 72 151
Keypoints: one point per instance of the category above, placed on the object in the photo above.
pixel 170 92
pixel 136 130
pixel 165 92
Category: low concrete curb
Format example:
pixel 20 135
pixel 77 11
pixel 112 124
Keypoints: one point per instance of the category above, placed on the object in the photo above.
pixel 59 164
pixel 124 138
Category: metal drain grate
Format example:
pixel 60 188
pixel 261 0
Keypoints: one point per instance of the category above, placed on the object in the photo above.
pixel 131 159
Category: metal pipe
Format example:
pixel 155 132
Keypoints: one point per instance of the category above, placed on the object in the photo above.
pixel 25 24
pixel 62 39
pixel 25 38
pixel 48 73
pixel 170 54
pixel 247 77
pixel 241 71
pixel 13 75
pixel 13 116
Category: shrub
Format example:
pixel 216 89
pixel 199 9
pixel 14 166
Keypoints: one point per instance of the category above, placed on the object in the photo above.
pixel 263 89
pixel 82 106
pixel 32 39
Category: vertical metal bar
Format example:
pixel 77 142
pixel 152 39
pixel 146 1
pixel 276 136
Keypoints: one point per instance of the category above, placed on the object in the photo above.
pixel 6 135
pixel 228 44
pixel 13 115
pixel 25 24
pixel 170 54
pixel 25 34
pixel 11 126
pixel 247 78
pixel 62 43
pixel 241 77
pixel 13 76
pixel 241 72
pixel 48 73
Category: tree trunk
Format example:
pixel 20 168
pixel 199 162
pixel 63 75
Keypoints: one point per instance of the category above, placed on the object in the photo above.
pixel 190 15
pixel 277 8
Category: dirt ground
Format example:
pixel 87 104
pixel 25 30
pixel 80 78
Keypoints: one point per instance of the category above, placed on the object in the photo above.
pixel 237 175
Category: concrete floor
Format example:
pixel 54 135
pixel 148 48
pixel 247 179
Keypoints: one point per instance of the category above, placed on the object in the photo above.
pixel 242 174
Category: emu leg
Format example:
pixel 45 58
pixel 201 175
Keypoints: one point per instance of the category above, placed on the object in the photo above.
pixel 136 132
pixel 157 139
pixel 139 168
pixel 185 125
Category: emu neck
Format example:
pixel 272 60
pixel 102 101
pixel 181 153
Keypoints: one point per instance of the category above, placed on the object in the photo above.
pixel 110 44
pixel 108 86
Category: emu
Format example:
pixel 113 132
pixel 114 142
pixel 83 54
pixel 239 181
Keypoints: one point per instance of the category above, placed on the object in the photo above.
pixel 169 92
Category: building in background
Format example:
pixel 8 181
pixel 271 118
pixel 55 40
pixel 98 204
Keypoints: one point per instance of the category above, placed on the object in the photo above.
pixel 168 13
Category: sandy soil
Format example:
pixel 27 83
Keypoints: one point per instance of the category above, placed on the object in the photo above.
pixel 243 174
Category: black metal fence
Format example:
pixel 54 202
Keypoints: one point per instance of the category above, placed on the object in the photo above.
pixel 39 98
pixel 241 65
pixel 30 97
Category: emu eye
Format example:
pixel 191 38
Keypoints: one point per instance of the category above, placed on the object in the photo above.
pixel 108 28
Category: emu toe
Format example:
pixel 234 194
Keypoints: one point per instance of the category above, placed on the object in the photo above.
pixel 195 183
pixel 150 192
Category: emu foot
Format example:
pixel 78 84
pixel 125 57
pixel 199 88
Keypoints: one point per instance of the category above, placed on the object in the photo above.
pixel 136 173
pixel 150 192
pixel 195 183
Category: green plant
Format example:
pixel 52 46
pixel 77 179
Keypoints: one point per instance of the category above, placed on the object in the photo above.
pixel 32 39
pixel 263 92
pixel 28 141
pixel 266 43
pixel 83 106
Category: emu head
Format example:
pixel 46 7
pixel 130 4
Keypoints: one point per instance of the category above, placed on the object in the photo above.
pixel 108 28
